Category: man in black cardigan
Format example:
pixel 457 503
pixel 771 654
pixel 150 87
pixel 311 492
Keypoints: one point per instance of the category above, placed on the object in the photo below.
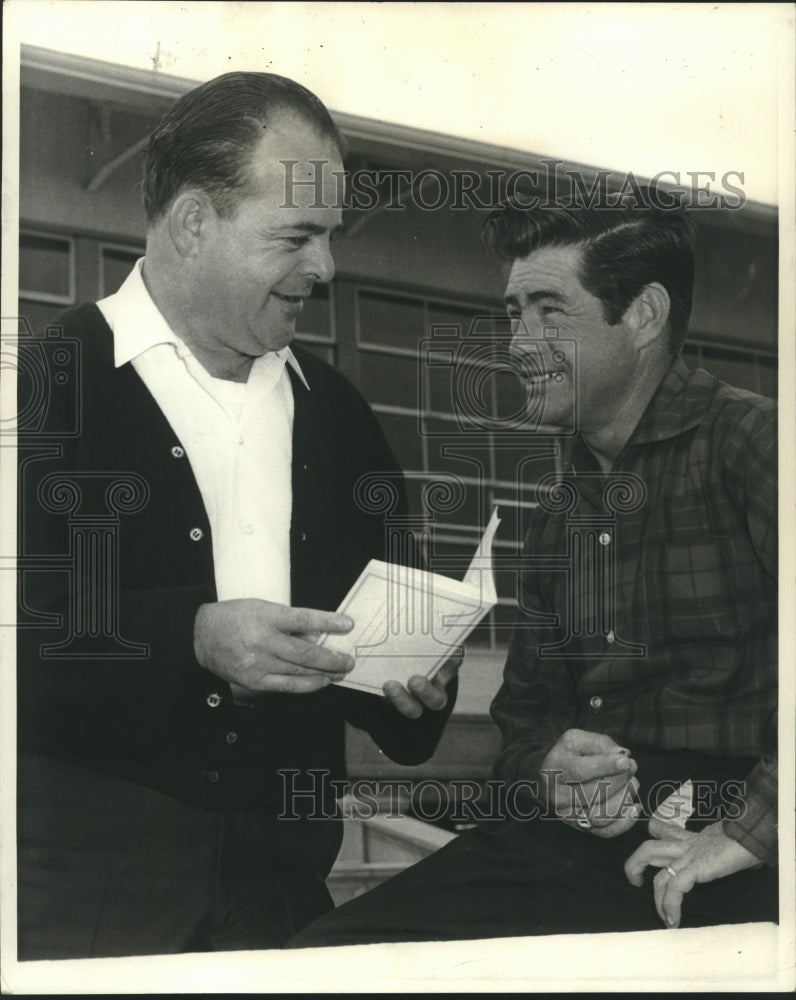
pixel 201 494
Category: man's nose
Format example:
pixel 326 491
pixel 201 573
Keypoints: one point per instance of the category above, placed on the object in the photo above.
pixel 521 340
pixel 318 261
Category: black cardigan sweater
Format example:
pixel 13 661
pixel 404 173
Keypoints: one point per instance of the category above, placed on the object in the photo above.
pixel 159 718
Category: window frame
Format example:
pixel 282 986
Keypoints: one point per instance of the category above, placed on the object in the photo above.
pixel 52 298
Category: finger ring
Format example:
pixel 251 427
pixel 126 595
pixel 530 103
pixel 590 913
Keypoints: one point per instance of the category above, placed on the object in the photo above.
pixel 671 870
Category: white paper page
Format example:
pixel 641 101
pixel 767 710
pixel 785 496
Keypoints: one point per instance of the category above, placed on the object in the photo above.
pixel 409 621
pixel 480 573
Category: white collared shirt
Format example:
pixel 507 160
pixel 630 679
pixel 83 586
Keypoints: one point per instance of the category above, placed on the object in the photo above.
pixel 238 437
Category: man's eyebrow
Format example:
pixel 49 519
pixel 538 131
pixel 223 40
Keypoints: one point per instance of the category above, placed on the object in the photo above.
pixel 311 228
pixel 513 298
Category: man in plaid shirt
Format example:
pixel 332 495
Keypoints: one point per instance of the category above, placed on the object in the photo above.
pixel 638 707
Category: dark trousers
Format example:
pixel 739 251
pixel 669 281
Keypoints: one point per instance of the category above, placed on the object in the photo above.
pixel 541 876
pixel 110 868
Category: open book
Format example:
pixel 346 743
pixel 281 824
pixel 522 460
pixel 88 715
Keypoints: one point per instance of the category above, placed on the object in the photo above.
pixel 409 621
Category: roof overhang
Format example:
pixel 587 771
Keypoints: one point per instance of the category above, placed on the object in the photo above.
pixel 152 92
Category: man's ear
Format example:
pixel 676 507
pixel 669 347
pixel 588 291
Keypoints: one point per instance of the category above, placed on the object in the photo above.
pixel 648 314
pixel 190 216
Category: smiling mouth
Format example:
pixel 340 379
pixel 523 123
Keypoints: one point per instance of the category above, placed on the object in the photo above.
pixel 293 299
pixel 544 377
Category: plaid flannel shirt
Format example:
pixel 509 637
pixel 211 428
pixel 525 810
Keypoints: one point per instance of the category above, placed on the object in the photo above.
pixel 661 628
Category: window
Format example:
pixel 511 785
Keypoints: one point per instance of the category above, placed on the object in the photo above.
pixel 315 330
pixel 116 262
pixel 46 268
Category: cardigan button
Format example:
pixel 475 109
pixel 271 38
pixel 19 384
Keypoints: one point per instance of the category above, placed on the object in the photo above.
pixel 214 699
pixel 177 451
pixel 596 702
pixel 196 534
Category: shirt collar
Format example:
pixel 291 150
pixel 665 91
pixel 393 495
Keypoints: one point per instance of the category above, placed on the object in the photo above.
pixel 679 403
pixel 138 324
pixel 136 321
pixel 292 360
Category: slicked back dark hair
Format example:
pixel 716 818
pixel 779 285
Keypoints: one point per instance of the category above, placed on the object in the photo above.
pixel 207 138
pixel 622 250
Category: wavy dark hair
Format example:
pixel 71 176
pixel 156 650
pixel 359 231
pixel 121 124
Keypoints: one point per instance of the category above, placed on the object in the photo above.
pixel 207 137
pixel 622 250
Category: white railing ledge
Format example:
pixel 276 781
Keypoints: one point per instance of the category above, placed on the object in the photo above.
pixel 394 826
